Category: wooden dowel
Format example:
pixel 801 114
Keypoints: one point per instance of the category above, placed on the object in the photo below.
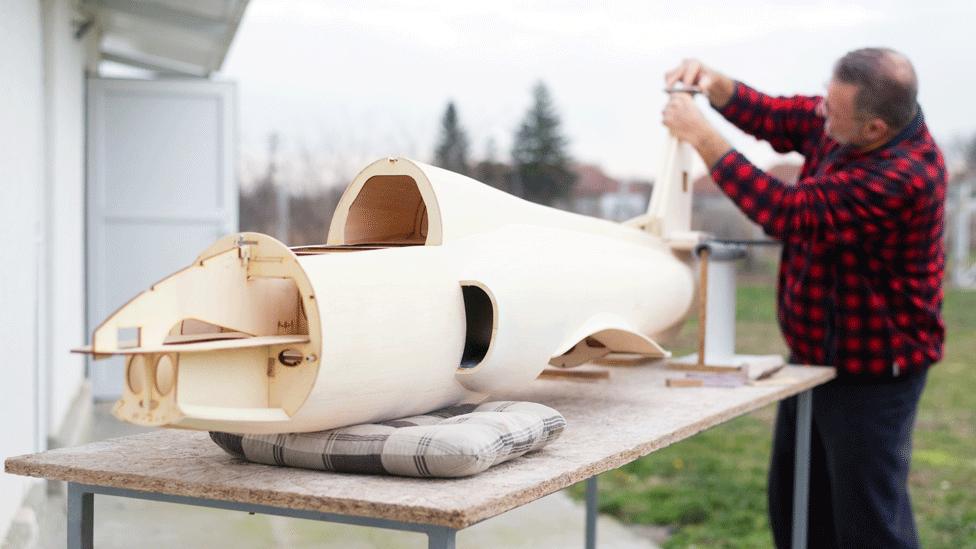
pixel 702 302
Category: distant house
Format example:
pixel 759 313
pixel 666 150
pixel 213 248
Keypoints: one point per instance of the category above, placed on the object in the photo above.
pixel 600 195
pixel 104 180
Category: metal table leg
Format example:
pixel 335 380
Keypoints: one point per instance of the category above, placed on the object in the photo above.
pixel 801 469
pixel 441 538
pixel 81 515
pixel 591 512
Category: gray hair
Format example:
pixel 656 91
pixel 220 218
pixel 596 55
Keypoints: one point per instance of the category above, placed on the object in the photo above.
pixel 886 82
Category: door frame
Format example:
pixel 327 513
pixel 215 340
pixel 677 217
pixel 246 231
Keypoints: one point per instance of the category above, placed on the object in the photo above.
pixel 98 212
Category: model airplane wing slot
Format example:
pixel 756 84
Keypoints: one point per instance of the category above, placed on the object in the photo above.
pixel 599 342
pixel 339 248
pixel 389 210
pixel 480 319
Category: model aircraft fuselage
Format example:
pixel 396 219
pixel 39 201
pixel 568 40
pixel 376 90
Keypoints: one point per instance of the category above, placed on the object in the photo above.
pixel 433 289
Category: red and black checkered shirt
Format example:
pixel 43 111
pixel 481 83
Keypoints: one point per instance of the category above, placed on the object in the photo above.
pixel 860 281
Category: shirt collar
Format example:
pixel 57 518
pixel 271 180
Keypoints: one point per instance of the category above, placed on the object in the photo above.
pixel 909 131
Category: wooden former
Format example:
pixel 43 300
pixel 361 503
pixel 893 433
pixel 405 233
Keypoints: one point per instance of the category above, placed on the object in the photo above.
pixel 432 289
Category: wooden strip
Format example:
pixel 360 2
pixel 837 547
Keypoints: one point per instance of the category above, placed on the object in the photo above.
pixel 683 382
pixel 580 375
pixel 687 367
pixel 198 347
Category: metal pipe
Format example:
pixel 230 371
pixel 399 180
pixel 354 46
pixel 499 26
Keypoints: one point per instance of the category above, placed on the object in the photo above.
pixel 801 468
pixel 591 512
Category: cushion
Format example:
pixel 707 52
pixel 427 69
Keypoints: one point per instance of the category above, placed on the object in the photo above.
pixel 452 442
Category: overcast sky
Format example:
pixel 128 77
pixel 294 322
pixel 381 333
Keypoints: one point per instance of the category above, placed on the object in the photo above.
pixel 353 81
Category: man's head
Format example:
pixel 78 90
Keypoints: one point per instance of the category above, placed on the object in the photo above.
pixel 871 96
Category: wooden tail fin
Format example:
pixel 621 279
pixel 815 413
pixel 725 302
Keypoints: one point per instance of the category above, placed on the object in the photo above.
pixel 669 211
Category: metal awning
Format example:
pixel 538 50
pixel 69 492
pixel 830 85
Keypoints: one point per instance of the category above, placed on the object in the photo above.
pixel 186 37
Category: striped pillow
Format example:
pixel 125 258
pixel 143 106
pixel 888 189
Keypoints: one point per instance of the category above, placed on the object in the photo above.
pixel 452 442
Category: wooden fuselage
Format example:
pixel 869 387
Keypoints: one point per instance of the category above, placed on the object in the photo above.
pixel 391 319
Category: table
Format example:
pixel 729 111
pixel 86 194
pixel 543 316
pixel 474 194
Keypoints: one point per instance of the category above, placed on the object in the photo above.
pixel 610 423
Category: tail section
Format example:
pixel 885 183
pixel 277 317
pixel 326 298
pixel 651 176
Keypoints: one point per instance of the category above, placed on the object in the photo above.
pixel 669 212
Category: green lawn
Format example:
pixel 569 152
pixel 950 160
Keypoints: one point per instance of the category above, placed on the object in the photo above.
pixel 710 490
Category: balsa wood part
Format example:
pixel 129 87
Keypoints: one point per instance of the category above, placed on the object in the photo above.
pixel 575 374
pixel 433 289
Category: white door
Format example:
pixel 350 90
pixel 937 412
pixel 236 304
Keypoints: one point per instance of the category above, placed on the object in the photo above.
pixel 161 187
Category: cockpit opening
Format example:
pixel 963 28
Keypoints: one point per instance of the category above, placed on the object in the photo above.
pixel 389 210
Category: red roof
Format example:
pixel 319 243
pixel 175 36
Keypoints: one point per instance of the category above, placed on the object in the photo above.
pixel 592 181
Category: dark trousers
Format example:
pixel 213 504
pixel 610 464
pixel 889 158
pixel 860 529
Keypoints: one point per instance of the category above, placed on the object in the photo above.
pixel 860 450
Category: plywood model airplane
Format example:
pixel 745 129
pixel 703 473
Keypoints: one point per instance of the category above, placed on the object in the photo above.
pixel 432 289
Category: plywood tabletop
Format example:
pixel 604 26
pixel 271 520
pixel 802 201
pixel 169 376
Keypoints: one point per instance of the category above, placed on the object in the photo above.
pixel 610 422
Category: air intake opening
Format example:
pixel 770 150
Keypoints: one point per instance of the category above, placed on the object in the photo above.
pixel 388 210
pixel 479 315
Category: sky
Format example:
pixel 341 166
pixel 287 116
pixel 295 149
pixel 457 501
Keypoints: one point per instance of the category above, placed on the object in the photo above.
pixel 345 83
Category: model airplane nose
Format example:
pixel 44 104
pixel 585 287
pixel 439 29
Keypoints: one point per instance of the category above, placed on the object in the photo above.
pixel 226 337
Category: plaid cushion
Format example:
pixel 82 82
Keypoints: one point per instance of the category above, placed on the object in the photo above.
pixel 452 442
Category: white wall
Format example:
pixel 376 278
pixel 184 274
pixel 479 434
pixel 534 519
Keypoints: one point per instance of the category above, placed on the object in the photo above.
pixel 41 227
pixel 63 317
pixel 21 177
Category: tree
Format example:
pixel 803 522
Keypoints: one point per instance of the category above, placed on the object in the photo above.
pixel 542 164
pixel 452 146
pixel 492 172
pixel 258 205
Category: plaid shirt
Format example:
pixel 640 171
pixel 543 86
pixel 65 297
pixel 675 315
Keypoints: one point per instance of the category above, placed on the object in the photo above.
pixel 860 280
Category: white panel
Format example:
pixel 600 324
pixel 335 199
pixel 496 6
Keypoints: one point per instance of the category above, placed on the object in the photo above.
pixel 148 139
pixel 21 162
pixel 161 187
pixel 146 252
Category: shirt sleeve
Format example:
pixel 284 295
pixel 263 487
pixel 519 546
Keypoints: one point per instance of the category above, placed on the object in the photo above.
pixel 850 206
pixel 787 123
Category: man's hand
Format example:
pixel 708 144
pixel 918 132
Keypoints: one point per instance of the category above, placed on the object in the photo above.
pixel 687 123
pixel 691 72
pixel 683 118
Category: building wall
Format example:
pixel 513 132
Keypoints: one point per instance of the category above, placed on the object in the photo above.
pixel 21 178
pixel 42 227
pixel 63 317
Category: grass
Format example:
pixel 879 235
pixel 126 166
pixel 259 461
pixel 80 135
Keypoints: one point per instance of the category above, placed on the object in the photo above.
pixel 710 490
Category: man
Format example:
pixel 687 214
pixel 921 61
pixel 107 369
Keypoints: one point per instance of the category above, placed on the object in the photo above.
pixel 860 281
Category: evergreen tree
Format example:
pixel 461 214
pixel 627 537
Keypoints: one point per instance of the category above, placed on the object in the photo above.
pixel 452 146
pixel 492 172
pixel 542 164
